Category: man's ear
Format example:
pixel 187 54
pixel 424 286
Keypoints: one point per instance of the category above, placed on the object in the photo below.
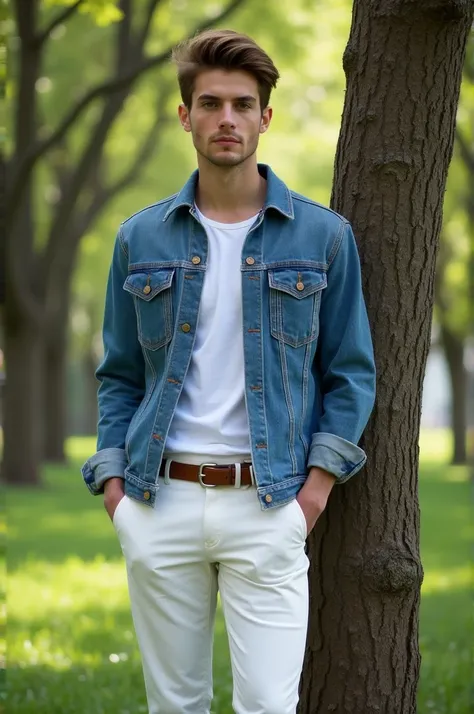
pixel 183 114
pixel 266 119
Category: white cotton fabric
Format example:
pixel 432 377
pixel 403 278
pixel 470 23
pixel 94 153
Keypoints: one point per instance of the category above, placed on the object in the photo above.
pixel 210 416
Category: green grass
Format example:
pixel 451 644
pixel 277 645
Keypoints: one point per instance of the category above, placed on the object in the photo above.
pixel 71 647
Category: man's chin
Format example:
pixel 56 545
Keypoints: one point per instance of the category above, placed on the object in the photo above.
pixel 225 159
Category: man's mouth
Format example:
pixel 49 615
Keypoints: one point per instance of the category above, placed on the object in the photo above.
pixel 226 140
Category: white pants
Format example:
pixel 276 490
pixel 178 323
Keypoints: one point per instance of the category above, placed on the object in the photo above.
pixel 195 542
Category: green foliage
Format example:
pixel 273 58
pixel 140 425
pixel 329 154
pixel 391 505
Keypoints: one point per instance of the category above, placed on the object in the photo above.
pixel 71 645
pixel 104 12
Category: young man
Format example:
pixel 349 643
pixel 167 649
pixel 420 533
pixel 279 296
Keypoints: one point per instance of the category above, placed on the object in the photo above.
pixel 237 379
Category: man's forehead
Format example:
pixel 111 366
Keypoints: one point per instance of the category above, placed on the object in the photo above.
pixel 226 84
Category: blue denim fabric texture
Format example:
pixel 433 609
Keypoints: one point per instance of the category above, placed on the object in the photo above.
pixel 309 365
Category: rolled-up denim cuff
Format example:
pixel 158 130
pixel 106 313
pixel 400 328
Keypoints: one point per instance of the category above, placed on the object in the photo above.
pixel 105 464
pixel 336 455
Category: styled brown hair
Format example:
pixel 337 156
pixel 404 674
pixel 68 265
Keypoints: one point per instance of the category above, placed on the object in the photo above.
pixel 223 49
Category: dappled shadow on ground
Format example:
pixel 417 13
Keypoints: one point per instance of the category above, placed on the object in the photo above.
pixel 96 689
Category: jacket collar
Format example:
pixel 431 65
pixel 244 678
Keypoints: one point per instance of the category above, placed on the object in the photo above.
pixel 278 195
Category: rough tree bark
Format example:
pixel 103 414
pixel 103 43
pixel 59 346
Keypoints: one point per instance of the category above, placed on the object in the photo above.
pixel 403 65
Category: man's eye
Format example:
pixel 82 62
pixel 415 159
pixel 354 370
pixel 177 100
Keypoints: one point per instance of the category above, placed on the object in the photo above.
pixel 244 105
pixel 209 105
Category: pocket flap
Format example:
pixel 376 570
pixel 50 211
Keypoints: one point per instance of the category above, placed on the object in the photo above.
pixel 298 283
pixel 147 285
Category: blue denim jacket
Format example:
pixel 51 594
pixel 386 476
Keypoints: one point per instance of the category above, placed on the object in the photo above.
pixel 309 367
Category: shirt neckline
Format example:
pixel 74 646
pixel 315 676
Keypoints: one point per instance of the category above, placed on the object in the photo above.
pixel 225 226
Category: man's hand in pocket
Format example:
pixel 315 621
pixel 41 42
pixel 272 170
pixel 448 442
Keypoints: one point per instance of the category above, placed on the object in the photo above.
pixel 113 494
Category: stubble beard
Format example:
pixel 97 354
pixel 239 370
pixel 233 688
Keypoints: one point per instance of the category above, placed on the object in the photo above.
pixel 228 159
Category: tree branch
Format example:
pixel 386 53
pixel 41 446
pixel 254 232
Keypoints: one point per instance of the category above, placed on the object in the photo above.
pixel 467 154
pixel 60 18
pixel 60 250
pixel 105 89
pixel 144 153
pixel 150 11
pixel 26 12
pixel 124 56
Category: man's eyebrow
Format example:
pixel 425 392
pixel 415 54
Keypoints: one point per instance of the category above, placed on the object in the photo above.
pixel 212 97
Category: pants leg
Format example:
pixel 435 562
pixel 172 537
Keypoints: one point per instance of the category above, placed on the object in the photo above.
pixel 264 591
pixel 173 596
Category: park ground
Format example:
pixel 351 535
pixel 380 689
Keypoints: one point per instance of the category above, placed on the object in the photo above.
pixel 70 643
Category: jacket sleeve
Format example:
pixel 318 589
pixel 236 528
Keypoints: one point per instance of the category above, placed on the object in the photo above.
pixel 121 375
pixel 345 361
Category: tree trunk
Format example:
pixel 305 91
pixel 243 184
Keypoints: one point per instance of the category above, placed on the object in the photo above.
pixel 55 405
pixel 23 419
pixel 91 386
pixel 454 352
pixel 403 66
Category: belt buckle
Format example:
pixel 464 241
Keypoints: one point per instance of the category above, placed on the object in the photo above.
pixel 201 476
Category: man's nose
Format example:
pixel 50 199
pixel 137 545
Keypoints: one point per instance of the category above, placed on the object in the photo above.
pixel 227 117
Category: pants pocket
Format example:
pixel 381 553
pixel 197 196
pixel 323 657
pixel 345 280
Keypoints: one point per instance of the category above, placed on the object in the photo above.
pixel 117 509
pixel 301 518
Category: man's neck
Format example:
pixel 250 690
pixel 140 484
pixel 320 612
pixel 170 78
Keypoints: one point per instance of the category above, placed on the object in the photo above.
pixel 230 195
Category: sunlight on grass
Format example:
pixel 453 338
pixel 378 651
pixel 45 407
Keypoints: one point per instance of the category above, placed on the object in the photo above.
pixel 81 447
pixel 55 608
pixel 42 589
pixel 448 579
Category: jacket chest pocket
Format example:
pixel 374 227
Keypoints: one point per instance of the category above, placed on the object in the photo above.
pixel 154 306
pixel 295 298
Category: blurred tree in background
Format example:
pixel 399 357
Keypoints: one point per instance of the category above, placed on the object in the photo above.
pixel 61 150
pixel 455 267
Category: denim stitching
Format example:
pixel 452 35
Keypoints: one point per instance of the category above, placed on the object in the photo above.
pixel 258 286
pixel 164 265
pixel 138 290
pixel 294 263
pixel 164 305
pixel 122 242
pixel 337 243
pixel 168 364
pixel 144 404
pixel 304 199
pixel 147 208
pixel 277 324
pixel 304 405
pixel 289 404
pixel 278 285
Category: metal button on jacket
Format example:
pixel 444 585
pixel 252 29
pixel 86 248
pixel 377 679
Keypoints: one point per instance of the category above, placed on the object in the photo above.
pixel 195 259
pixel 250 260
pixel 186 327
pixel 147 290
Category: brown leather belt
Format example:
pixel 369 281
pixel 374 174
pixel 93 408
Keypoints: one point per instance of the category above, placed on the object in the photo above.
pixel 209 475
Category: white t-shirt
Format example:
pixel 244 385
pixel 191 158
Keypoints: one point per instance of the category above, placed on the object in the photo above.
pixel 210 417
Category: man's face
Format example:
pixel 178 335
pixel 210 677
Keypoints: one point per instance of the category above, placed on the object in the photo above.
pixel 225 119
